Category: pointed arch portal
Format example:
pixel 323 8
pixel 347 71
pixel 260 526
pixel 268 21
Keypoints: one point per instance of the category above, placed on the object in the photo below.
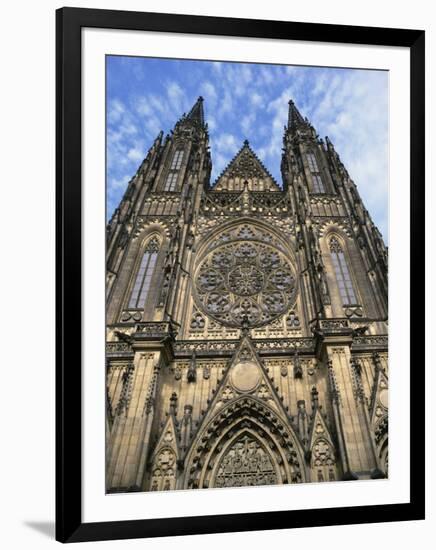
pixel 245 444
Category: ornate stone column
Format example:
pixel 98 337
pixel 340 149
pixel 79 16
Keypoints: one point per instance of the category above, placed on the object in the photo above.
pixel 333 346
pixel 130 435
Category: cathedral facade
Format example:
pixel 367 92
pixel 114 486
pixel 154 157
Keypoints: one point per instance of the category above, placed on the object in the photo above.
pixel 247 322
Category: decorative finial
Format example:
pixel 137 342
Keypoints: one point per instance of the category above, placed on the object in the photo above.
pixel 192 370
pixel 246 142
pixel 377 361
pixel 298 371
pixel 315 401
pixel 173 403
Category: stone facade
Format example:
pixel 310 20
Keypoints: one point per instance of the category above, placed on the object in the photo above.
pixel 246 322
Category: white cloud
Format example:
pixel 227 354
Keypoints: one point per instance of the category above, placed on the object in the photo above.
pixel 261 153
pixel 256 99
pixel 115 190
pixel 292 70
pixel 220 163
pixel 142 106
pixel 251 101
pixel 267 75
pixel 353 111
pixel 238 77
pixel 115 111
pixel 176 96
pixel 226 105
pixel 158 104
pixel 212 123
pixel 217 66
pixel 115 184
pixel 247 122
pixel 226 143
pixel 208 90
pixel 136 154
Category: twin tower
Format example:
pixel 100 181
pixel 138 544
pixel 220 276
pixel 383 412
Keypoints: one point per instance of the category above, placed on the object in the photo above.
pixel 246 320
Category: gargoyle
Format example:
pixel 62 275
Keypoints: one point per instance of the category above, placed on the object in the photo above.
pixel 359 331
pixel 123 336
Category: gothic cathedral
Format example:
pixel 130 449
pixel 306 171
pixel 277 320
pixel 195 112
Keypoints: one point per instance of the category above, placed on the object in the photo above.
pixel 246 321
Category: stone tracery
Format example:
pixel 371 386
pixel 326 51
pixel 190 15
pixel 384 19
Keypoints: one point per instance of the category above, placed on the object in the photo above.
pixel 245 279
pixel 245 463
pixel 163 472
pixel 245 444
pixel 234 245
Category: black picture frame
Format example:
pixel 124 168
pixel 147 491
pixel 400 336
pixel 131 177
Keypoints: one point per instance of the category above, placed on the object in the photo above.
pixel 69 22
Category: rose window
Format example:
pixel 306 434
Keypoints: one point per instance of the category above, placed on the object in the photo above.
pixel 242 280
pixel 245 280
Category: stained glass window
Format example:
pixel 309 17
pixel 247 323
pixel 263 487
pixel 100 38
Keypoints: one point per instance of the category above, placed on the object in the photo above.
pixel 173 174
pixel 144 275
pixel 342 273
pixel 317 184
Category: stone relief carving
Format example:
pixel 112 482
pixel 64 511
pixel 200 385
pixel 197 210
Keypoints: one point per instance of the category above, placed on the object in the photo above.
pixel 292 321
pixel 197 321
pixel 143 221
pixel 323 460
pixel 126 390
pixel 163 472
pixel 246 275
pixel 245 463
pixel 114 347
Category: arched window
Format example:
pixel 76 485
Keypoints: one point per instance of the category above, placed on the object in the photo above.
pixel 145 272
pixel 342 273
pixel 317 184
pixel 173 173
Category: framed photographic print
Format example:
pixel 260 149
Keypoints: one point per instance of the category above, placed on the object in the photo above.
pixel 233 352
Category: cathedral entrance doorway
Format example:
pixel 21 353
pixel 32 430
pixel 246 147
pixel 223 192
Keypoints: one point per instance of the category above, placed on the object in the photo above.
pixel 244 445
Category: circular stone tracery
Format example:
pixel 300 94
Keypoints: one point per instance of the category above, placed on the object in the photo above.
pixel 245 280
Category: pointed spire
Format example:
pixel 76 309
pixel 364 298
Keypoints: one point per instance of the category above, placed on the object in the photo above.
pixel 294 117
pixel 298 124
pixel 196 114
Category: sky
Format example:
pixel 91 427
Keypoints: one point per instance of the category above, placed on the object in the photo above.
pixel 249 101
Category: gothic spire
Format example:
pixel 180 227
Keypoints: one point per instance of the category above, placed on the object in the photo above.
pixel 294 117
pixel 196 114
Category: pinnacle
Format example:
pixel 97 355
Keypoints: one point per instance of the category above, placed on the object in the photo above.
pixel 197 113
pixel 294 118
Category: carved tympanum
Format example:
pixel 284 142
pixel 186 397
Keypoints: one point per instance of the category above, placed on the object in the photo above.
pixel 245 463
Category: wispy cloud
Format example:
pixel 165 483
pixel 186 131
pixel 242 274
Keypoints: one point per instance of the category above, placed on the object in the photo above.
pixel 249 101
pixel 209 92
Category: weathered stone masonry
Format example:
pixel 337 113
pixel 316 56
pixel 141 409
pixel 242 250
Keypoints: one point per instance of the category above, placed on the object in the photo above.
pixel 246 321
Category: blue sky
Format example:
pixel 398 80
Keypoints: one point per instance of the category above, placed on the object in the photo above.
pixel 249 101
